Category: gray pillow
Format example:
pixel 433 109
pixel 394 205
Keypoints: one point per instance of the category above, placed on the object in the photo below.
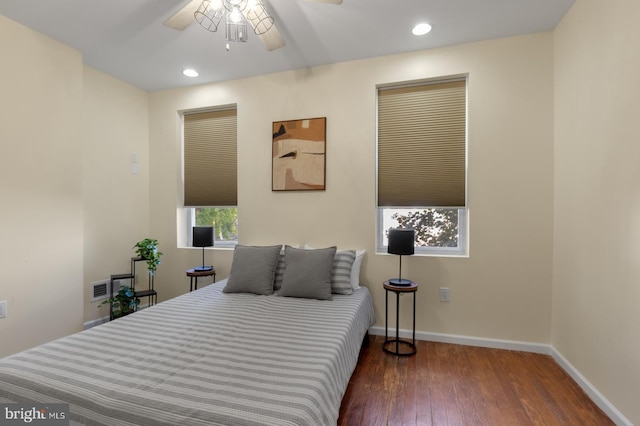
pixel 341 272
pixel 307 273
pixel 253 269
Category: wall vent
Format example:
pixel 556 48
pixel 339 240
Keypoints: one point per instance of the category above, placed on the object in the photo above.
pixel 100 290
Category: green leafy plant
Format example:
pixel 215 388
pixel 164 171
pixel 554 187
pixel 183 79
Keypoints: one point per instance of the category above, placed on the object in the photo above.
pixel 434 227
pixel 147 249
pixel 123 303
pixel 224 221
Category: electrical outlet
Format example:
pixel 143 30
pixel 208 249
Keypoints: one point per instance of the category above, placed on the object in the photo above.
pixel 444 294
pixel 3 309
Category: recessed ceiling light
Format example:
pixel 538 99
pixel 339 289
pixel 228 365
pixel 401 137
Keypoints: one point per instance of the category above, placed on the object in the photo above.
pixel 190 72
pixel 421 29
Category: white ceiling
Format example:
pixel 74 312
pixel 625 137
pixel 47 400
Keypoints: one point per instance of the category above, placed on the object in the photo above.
pixel 126 38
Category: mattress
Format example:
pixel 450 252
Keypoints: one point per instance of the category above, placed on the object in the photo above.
pixel 204 358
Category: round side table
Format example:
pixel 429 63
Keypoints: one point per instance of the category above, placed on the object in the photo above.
pixel 398 346
pixel 193 275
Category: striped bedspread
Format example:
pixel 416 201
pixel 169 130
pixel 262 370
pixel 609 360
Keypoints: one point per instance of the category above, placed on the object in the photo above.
pixel 204 358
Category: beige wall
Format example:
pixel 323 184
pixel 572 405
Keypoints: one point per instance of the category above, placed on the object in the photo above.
pixel 503 291
pixel 596 295
pixel 40 188
pixel 70 208
pixel 116 202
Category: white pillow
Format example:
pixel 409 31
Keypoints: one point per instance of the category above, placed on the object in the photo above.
pixel 355 269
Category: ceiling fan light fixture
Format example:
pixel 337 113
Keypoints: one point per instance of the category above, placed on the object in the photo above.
pixel 238 14
pixel 258 17
pixel 421 29
pixel 233 5
pixel 236 28
pixel 209 14
pixel 235 16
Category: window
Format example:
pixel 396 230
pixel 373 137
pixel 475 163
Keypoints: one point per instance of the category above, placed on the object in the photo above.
pixel 210 173
pixel 438 231
pixel 422 164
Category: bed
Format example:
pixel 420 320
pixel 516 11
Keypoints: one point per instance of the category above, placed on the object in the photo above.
pixel 210 357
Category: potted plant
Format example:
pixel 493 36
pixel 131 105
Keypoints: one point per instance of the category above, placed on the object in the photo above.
pixel 123 303
pixel 147 249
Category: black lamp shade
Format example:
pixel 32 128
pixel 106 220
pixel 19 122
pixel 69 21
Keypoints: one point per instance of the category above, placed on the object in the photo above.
pixel 401 241
pixel 202 236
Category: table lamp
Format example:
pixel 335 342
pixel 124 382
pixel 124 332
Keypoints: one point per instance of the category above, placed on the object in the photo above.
pixel 203 237
pixel 401 242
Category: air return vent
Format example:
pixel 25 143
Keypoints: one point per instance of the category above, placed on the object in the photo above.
pixel 99 290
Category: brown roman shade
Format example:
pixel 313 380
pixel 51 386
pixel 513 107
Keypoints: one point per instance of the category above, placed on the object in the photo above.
pixel 210 159
pixel 422 145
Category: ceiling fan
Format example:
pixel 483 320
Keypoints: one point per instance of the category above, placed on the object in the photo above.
pixel 209 13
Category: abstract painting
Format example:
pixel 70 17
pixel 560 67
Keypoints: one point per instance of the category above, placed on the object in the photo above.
pixel 299 155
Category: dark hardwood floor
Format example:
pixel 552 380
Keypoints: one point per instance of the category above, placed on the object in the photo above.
pixel 446 384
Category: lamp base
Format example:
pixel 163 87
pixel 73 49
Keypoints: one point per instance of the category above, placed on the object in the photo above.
pixel 400 282
pixel 203 268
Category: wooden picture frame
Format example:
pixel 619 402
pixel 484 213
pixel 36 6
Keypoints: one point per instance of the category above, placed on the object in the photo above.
pixel 298 160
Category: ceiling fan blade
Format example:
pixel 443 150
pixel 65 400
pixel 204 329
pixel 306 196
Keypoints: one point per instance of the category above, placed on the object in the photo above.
pixel 326 1
pixel 184 17
pixel 263 26
pixel 272 39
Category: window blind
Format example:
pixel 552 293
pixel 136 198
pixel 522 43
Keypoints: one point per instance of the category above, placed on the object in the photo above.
pixel 210 159
pixel 422 145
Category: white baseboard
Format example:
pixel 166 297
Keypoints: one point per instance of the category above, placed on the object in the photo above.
pixel 603 403
pixel 513 345
pixel 87 325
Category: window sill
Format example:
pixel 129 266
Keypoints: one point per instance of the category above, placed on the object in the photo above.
pixel 434 253
pixel 229 247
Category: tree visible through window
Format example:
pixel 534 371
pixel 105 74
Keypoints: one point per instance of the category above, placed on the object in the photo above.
pixel 433 227
pixel 223 220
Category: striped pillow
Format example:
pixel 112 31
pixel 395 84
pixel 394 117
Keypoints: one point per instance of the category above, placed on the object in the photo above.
pixel 280 266
pixel 341 272
pixel 277 282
